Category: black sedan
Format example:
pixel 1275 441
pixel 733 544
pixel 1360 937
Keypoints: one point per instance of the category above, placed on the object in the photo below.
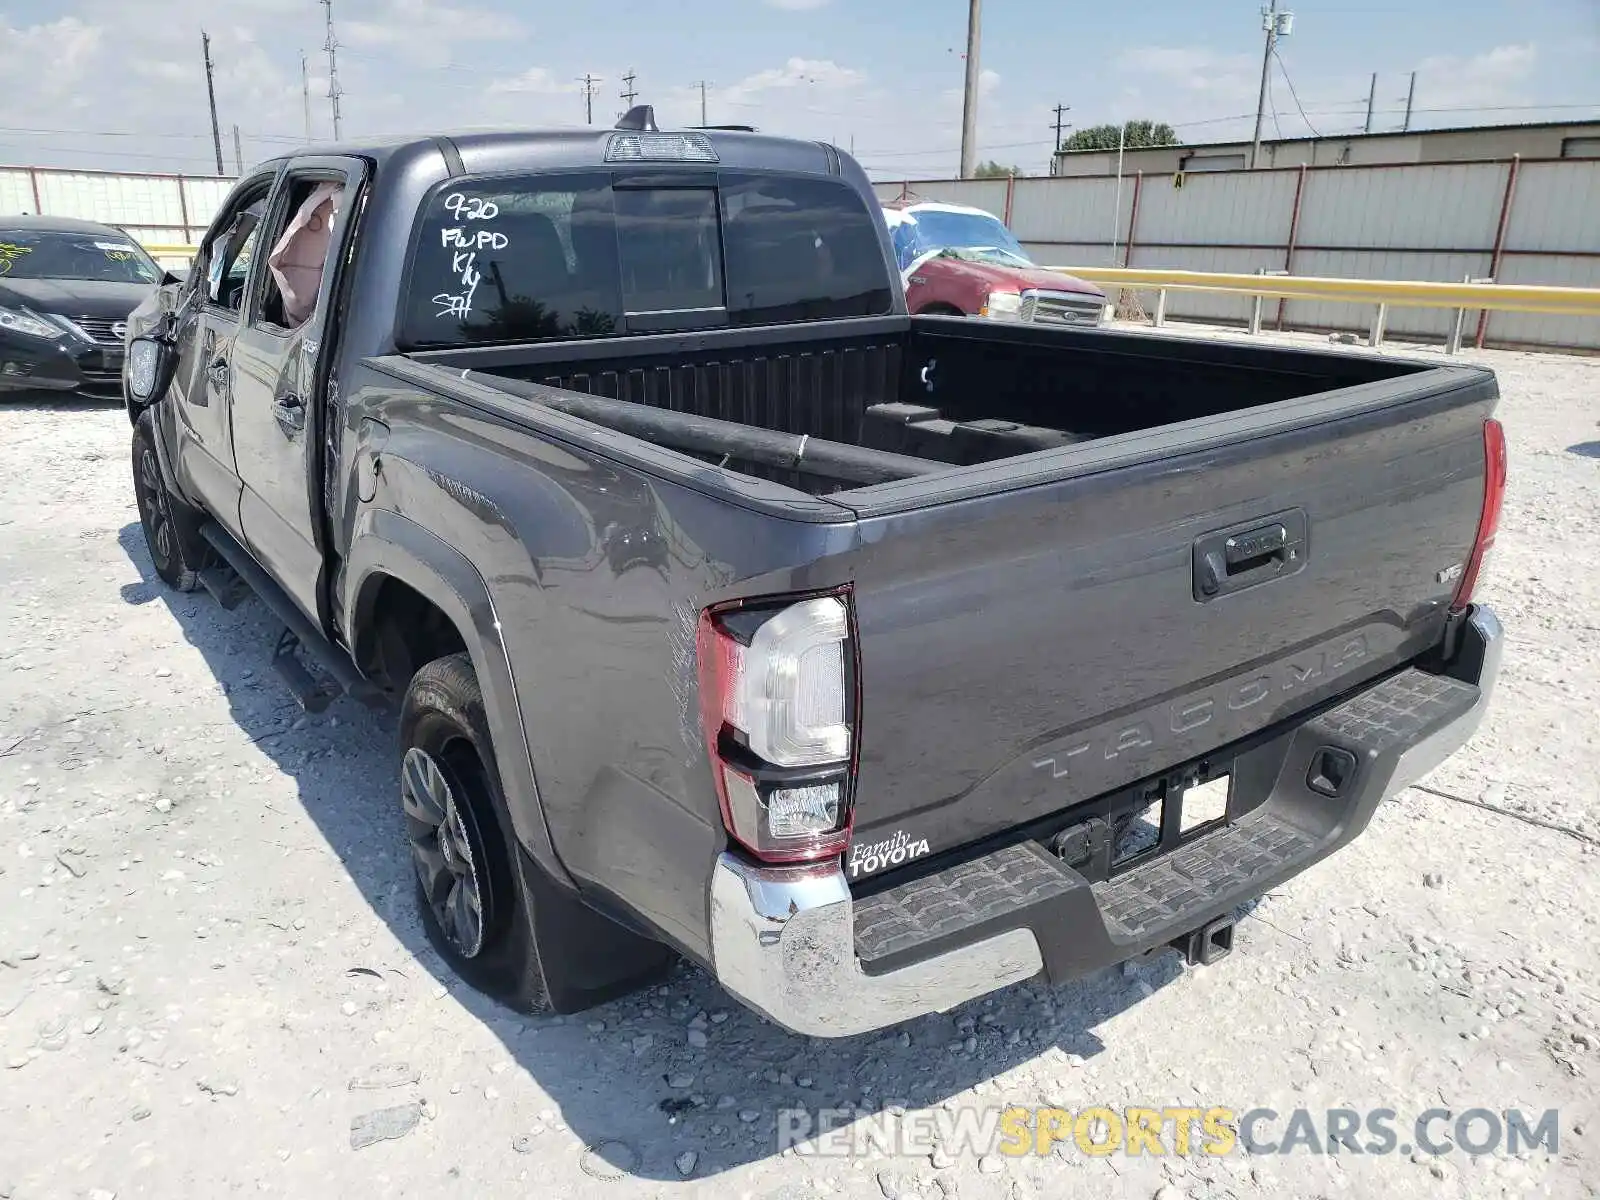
pixel 66 289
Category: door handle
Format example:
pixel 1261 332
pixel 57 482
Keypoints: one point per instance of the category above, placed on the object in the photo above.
pixel 918 279
pixel 290 413
pixel 218 371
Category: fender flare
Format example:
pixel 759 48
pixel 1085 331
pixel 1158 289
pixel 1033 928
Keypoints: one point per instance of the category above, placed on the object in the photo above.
pixel 386 544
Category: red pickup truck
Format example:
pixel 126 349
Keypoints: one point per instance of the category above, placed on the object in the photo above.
pixel 958 261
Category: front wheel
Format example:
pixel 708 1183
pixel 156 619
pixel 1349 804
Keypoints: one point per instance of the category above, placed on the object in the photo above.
pixel 473 909
pixel 170 525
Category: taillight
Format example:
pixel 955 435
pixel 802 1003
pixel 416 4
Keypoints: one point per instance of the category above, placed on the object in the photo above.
pixel 779 704
pixel 1494 494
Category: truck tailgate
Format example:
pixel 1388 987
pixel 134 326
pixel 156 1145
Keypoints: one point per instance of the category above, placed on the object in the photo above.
pixel 1032 639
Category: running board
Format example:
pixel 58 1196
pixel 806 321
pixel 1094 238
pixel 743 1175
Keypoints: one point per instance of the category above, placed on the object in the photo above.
pixel 225 586
pixel 298 634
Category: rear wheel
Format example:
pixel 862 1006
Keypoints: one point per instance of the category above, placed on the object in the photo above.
pixel 473 907
pixel 170 526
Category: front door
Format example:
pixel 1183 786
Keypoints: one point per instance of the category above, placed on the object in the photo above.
pixel 274 377
pixel 209 319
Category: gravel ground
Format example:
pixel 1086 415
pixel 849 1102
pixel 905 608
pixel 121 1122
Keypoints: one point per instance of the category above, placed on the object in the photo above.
pixel 211 973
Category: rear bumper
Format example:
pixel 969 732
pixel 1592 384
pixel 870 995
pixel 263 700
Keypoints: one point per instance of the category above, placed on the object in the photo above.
pixel 792 942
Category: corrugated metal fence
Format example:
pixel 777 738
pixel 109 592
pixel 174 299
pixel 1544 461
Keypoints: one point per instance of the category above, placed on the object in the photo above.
pixel 155 209
pixel 1515 222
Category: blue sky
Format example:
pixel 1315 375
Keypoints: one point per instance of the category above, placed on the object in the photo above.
pixel 117 83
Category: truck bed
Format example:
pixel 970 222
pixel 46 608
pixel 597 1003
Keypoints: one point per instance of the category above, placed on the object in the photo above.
pixel 946 390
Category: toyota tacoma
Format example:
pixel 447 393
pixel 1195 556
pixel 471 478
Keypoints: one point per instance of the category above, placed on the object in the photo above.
pixel 871 661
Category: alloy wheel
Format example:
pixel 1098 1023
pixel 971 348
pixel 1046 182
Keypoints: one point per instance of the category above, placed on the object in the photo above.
pixel 153 506
pixel 444 851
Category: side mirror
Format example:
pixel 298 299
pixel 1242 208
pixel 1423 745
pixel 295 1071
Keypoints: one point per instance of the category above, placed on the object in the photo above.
pixel 174 275
pixel 149 366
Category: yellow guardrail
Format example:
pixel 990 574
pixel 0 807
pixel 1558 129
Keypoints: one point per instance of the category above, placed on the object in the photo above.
pixel 1498 297
pixel 159 251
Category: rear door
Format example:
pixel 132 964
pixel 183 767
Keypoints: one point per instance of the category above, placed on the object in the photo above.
pixel 274 375
pixel 1025 651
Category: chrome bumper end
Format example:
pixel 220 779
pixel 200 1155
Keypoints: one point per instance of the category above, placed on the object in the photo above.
pixel 783 942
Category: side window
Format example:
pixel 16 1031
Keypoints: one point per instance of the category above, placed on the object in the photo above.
pixel 229 253
pixel 298 250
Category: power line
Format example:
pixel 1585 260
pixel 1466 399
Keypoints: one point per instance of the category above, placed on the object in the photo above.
pixel 1272 104
pixel 629 96
pixel 1297 103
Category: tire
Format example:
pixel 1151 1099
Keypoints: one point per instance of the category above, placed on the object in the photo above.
pixel 171 527
pixel 941 310
pixel 474 908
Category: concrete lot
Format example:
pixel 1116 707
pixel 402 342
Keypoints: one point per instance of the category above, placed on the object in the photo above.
pixel 210 965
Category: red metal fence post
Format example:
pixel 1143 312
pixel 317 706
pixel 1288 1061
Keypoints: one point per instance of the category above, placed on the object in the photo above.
pixel 1011 190
pixel 33 178
pixel 1499 243
pixel 1133 219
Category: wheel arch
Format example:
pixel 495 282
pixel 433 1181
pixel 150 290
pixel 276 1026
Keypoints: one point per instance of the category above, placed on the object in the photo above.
pixel 408 594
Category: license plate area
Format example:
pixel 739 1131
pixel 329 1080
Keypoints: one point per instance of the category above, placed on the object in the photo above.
pixel 1148 820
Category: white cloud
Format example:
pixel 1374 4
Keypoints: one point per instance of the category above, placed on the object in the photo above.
pixel 797 71
pixel 538 81
pixel 426 32
pixel 1194 69
pixel 1494 77
pixel 797 5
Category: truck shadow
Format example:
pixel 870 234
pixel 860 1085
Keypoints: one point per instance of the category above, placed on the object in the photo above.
pixel 624 1076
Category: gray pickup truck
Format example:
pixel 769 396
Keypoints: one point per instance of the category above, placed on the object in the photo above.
pixel 872 662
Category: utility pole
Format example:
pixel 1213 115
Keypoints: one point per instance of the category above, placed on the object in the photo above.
pixel 629 96
pixel 702 85
pixel 238 151
pixel 1276 24
pixel 331 45
pixel 305 92
pixel 211 97
pixel 1411 96
pixel 969 106
pixel 1060 110
pixel 1372 95
pixel 588 97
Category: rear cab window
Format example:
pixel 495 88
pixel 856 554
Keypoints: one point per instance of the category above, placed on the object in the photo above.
pixel 596 254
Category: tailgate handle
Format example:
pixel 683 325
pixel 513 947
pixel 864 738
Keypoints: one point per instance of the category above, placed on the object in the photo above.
pixel 1255 549
pixel 1230 560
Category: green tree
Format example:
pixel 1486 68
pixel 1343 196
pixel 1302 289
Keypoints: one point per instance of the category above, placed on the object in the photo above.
pixel 994 170
pixel 1134 133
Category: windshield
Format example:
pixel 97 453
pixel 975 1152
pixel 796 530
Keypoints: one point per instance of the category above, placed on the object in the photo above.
pixel 107 257
pixel 974 236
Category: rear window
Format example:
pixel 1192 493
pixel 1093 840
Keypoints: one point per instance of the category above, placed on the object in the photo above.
pixel 541 257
